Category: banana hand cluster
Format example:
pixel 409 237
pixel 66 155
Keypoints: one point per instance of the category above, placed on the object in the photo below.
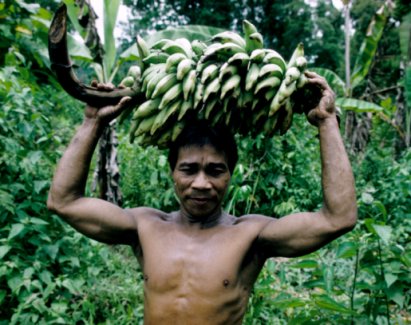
pixel 232 81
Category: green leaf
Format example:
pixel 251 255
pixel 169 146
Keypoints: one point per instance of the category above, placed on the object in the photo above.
pixel 191 32
pixel 2 295
pixel 78 49
pixel 15 283
pixel 111 8
pixel 72 12
pixel 4 250
pixel 335 82
pixel 305 264
pixel 407 86
pixel 358 106
pixel 52 250
pixel 390 279
pixel 384 232
pixel 369 46
pixel 347 250
pixel 285 303
pixel 16 229
pixel 326 302
pixel 40 185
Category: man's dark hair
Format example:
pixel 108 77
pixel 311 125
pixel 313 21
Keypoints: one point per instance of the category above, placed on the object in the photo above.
pixel 201 133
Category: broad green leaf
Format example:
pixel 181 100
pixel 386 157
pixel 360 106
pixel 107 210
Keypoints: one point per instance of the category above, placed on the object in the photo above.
pixel 369 46
pixel 335 82
pixel 78 49
pixel 72 12
pixel 131 54
pixel 384 232
pixel 305 264
pixel 111 8
pixel 4 250
pixel 191 32
pixel 2 295
pixel 382 209
pixel 16 229
pixel 357 105
pixel 326 302
pixel 15 283
pixel 346 250
pixel 52 250
pixel 390 279
pixel 30 7
pixel 40 185
pixel 38 221
pixel 397 294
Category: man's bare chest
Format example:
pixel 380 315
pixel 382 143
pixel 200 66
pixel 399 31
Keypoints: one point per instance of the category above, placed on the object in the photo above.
pixel 198 261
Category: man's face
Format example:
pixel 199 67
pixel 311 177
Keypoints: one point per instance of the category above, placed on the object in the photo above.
pixel 201 178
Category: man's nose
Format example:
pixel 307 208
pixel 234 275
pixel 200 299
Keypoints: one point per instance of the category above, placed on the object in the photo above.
pixel 201 181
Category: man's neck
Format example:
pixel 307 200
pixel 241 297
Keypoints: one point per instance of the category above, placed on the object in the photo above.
pixel 209 221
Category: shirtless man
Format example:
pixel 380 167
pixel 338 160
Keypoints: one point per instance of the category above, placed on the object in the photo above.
pixel 200 263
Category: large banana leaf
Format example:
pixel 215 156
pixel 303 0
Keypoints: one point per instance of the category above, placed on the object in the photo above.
pixel 356 105
pixel 369 45
pixel 111 8
pixel 336 83
pixel 191 32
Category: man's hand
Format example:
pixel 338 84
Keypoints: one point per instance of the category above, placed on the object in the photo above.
pixel 107 113
pixel 326 106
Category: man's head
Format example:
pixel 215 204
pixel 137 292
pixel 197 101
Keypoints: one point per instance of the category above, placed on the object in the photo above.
pixel 202 161
pixel 199 134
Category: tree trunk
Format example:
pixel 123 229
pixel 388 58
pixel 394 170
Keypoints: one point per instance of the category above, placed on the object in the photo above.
pixel 107 174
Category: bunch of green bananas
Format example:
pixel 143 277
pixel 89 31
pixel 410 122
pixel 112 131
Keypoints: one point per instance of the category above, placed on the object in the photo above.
pixel 232 81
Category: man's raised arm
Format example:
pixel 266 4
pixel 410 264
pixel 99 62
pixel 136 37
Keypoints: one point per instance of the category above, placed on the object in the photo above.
pixel 302 233
pixel 97 219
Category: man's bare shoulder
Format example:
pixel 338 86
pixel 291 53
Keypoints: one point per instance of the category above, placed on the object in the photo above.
pixel 149 214
pixel 256 219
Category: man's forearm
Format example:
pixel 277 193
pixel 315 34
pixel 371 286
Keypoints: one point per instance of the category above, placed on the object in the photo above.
pixel 71 175
pixel 337 177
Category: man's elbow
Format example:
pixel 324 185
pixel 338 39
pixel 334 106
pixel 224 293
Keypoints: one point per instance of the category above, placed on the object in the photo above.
pixel 349 221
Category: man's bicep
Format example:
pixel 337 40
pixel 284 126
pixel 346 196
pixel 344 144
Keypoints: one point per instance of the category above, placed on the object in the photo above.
pixel 296 234
pixel 101 220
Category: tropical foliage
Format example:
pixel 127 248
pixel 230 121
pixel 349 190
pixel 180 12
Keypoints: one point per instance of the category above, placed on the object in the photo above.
pixel 51 275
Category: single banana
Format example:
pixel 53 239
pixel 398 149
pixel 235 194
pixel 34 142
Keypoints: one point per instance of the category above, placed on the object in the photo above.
pixel 212 88
pixel 173 60
pixel 272 70
pixel 177 129
pixel 171 95
pixel 156 57
pixel 252 76
pixel 152 83
pixel 159 44
pixel 231 83
pixel 274 57
pixel 164 84
pixel 183 68
pixel 189 84
pixel 186 46
pixel 209 106
pixel 291 75
pixel 143 50
pixel 210 72
pixel 298 52
pixel 162 119
pixel 270 82
pixel 227 71
pixel 229 37
pixel 186 105
pixel 198 47
pixel 257 55
pixel 198 94
pixel 149 107
pixel 145 125
pixel 241 59
pixel 127 81
pixel 173 47
pixel 134 71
